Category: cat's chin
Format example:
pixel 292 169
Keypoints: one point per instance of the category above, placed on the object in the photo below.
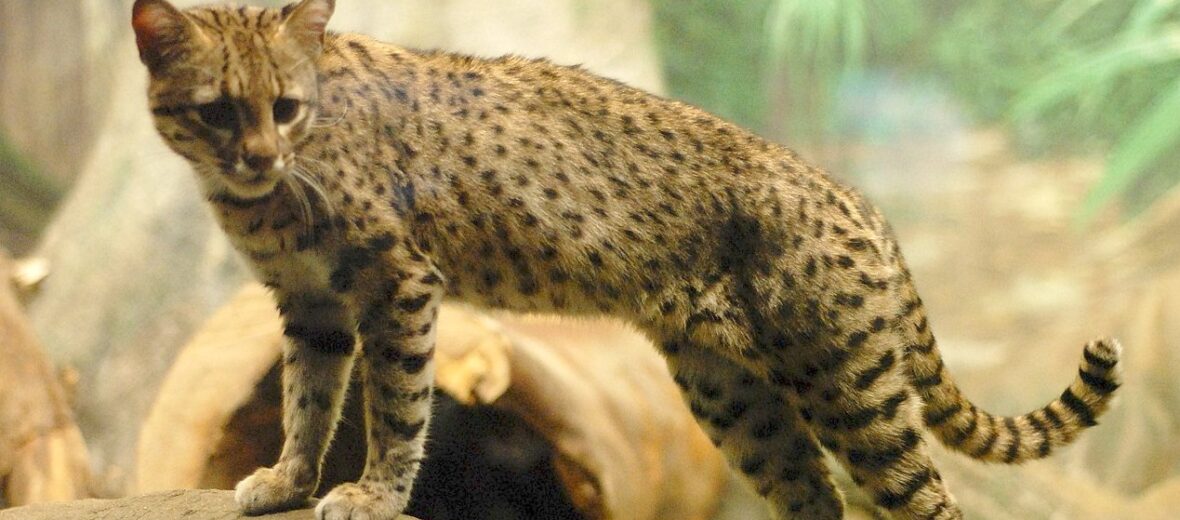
pixel 254 188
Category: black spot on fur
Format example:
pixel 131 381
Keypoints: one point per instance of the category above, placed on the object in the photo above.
pixel 321 340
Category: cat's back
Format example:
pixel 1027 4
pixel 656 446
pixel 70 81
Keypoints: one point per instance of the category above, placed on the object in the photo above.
pixel 537 102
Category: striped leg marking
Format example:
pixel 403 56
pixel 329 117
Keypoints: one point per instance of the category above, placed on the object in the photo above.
pixel 317 362
pixel 397 371
pixel 760 433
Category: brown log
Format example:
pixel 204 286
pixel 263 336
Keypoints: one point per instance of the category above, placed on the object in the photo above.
pixel 628 447
pixel 42 456
pixel 217 418
pixel 625 445
pixel 167 505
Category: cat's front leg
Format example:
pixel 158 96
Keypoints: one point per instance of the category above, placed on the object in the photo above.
pixel 317 362
pixel 397 376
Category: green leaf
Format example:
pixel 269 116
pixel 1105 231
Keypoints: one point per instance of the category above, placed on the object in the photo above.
pixel 1067 14
pixel 1154 133
pixel 855 36
pixel 1099 67
pixel 1148 14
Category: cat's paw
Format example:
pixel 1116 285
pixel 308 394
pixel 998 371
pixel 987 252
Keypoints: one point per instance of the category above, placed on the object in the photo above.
pixel 360 502
pixel 267 491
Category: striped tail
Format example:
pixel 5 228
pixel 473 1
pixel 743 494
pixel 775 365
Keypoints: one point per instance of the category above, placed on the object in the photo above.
pixel 963 427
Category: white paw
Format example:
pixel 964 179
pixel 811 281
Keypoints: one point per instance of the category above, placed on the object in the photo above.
pixel 267 491
pixel 360 502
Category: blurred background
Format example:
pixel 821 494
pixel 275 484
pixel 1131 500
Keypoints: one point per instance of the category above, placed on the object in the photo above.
pixel 1025 151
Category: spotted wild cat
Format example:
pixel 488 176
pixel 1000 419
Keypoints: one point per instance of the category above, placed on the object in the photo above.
pixel 364 182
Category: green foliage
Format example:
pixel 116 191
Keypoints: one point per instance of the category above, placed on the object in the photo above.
pixel 987 52
pixel 1124 86
pixel 813 45
pixel 26 196
pixel 711 56
pixel 1070 75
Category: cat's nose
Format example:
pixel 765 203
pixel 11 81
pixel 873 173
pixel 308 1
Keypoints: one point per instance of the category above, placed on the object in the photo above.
pixel 259 151
pixel 259 162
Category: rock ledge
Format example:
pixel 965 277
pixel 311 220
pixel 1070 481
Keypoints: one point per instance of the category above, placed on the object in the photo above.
pixel 190 504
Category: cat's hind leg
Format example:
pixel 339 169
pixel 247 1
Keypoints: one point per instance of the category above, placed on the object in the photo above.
pixel 864 409
pixel 760 432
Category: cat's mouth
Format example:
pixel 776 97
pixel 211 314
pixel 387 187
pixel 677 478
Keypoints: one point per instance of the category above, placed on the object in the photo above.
pixel 247 182
pixel 251 184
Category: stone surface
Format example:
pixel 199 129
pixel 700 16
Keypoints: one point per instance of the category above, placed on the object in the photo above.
pixel 192 504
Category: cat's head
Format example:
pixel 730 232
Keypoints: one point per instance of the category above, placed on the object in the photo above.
pixel 233 89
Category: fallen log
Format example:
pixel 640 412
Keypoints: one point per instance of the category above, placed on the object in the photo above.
pixel 592 396
pixel 42 455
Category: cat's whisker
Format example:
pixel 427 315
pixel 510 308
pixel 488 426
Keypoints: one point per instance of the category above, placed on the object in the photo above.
pixel 300 174
pixel 324 167
pixel 305 211
pixel 296 65
pixel 323 122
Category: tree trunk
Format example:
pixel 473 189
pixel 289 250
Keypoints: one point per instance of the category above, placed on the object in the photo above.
pixel 56 60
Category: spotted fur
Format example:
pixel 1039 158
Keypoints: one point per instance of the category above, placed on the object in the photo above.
pixel 364 182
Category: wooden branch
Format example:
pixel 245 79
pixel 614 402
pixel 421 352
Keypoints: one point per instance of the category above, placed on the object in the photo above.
pixel 42 456
pixel 624 444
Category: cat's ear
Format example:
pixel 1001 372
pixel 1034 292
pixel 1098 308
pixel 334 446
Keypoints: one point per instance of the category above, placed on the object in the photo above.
pixel 161 32
pixel 305 21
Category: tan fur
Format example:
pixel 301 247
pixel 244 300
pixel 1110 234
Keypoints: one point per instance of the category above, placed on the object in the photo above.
pixel 777 295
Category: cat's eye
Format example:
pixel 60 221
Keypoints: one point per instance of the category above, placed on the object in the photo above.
pixel 285 110
pixel 219 114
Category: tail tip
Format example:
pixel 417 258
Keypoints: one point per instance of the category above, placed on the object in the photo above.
pixel 1103 353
